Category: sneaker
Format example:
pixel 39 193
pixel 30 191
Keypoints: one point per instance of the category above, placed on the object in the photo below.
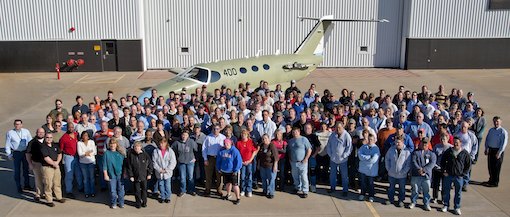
pixel 237 201
pixel 400 204
pixel 50 204
pixel 242 194
pixel 434 200
pixel 427 208
pixel 270 196
pixel 305 195
pixel 412 205
pixel 121 206
pixel 193 193
pixel 457 212
pixel 388 202
pixel 371 199
pixel 114 207
pixel 249 194
pixel 87 196
pixel 464 188
pixel 180 194
pixel 361 197
pixel 93 195
pixel 160 200
pixel 444 209
pixel 167 201
pixel 313 189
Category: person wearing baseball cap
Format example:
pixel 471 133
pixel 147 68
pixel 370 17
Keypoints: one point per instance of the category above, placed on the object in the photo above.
pixel 228 164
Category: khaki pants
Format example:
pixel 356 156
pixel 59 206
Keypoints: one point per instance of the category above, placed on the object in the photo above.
pixel 38 176
pixel 52 183
pixel 210 171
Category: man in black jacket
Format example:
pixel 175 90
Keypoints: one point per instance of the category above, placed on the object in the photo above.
pixel 139 170
pixel 455 164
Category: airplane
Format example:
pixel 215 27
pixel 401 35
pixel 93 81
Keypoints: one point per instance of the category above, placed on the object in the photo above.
pixel 275 69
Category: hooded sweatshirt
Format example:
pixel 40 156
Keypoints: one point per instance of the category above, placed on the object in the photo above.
pixel 229 160
pixel 398 165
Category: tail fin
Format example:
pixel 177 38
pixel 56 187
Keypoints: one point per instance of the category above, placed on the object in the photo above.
pixel 314 41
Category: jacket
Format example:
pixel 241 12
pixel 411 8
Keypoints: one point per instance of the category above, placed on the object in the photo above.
pixel 167 162
pixel 185 151
pixel 369 160
pixel 398 166
pixel 339 149
pixel 423 159
pixel 267 157
pixel 456 166
pixel 139 165
pixel 229 160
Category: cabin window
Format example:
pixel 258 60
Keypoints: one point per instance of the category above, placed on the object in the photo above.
pixel 215 76
pixel 266 66
pixel 255 68
pixel 243 70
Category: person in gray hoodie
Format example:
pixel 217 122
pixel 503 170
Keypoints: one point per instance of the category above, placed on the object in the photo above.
pixel 164 163
pixel 398 164
pixel 423 161
pixel 339 147
pixel 185 149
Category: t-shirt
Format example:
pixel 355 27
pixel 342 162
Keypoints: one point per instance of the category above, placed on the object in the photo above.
pixel 298 148
pixel 34 148
pixel 246 148
pixel 51 152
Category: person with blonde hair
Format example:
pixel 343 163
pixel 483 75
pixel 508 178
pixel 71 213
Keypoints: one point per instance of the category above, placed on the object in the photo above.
pixel 112 169
pixel 164 163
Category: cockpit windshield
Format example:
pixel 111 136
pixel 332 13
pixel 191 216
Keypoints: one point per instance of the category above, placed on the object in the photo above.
pixel 198 74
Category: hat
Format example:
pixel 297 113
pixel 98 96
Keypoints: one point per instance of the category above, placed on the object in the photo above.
pixel 197 125
pixel 183 89
pixel 128 95
pixel 223 86
pixel 293 81
pixel 400 126
pixel 352 121
pixel 279 114
pixel 470 94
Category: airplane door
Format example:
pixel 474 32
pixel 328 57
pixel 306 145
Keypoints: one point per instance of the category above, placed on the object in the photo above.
pixel 109 55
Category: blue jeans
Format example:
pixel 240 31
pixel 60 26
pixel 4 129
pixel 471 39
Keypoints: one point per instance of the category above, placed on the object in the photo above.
pixel 367 185
pixel 247 178
pixel 165 188
pixel 281 172
pixel 417 183
pixel 186 172
pixel 99 160
pixel 447 184
pixel 268 180
pixel 72 170
pixel 19 158
pixel 116 191
pixel 300 176
pixel 343 172
pixel 312 166
pixel 401 189
pixel 88 177
pixel 467 178
pixel 254 171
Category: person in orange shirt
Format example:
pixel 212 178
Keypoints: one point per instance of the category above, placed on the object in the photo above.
pixel 385 133
pixel 418 140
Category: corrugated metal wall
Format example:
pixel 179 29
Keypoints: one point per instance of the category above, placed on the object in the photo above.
pixel 25 20
pixel 457 19
pixel 225 29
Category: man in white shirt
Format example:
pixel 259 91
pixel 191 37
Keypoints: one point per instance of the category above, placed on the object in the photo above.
pixel 16 142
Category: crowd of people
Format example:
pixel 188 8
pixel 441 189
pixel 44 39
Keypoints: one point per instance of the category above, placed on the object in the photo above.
pixel 244 137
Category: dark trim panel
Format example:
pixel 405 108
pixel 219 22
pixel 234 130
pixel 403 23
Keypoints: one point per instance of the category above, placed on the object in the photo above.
pixel 41 56
pixel 490 53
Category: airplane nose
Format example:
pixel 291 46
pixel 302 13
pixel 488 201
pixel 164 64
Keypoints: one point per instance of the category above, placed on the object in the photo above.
pixel 147 93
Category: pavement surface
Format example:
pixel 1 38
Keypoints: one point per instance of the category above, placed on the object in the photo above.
pixel 30 96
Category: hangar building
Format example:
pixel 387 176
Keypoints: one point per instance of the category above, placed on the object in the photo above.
pixel 134 35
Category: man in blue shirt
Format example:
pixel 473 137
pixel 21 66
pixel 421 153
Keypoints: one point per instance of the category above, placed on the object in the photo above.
pixel 495 145
pixel 212 145
pixel 228 164
pixel 423 161
pixel 16 142
pixel 419 124
pixel 339 148
pixel 299 149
